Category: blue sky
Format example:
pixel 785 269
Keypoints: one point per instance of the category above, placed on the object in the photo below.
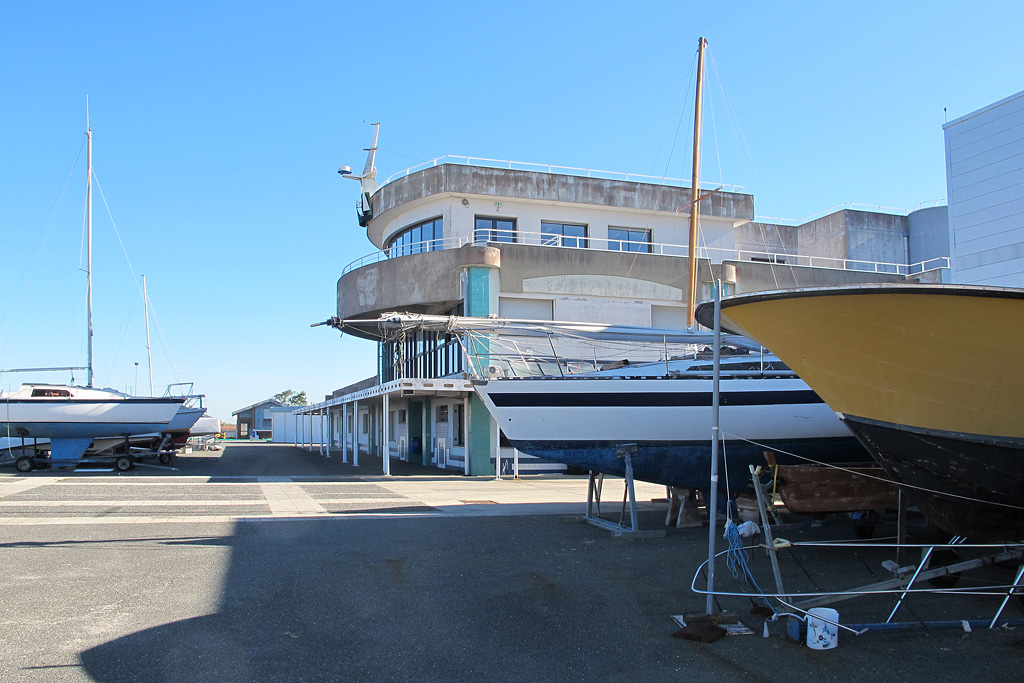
pixel 218 128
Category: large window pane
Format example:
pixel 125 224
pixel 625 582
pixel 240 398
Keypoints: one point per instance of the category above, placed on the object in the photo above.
pixel 629 239
pixel 563 234
pixel 495 230
pixel 426 236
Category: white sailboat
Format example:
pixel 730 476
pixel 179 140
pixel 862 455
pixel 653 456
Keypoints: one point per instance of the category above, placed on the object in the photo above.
pixel 72 416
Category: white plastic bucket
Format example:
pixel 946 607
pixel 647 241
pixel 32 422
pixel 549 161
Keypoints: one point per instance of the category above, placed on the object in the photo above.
pixel 822 635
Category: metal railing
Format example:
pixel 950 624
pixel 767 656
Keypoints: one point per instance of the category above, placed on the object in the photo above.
pixel 561 170
pixel 716 255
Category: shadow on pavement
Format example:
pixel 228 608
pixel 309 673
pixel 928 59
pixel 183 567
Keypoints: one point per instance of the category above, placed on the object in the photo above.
pixel 489 599
pixel 270 459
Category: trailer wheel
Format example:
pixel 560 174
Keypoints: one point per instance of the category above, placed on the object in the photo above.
pixel 23 464
pixel 165 458
pixel 123 463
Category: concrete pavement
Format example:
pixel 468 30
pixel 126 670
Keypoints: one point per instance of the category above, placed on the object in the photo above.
pixel 409 578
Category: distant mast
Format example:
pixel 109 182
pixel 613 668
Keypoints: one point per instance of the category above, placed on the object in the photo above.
pixel 88 267
pixel 149 353
pixel 695 190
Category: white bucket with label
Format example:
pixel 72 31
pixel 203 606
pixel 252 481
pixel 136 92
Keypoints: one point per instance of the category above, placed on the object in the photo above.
pixel 822 635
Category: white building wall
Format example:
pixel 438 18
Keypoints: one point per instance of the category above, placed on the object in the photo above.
pixel 459 221
pixel 985 188
pixel 286 430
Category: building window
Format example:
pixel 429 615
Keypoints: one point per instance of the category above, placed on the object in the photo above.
pixel 442 413
pixel 425 236
pixel 401 417
pixel 629 239
pixel 769 258
pixel 366 423
pixel 459 428
pixel 494 230
pixel 563 234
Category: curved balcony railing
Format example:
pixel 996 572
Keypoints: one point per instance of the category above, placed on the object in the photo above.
pixel 656 248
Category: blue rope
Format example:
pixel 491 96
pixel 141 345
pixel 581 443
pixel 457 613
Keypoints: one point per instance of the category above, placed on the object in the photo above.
pixel 736 559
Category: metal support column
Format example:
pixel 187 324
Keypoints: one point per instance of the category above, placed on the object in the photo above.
pixel 355 433
pixel 465 439
pixel 344 432
pixel 497 450
pixel 715 405
pixel 385 445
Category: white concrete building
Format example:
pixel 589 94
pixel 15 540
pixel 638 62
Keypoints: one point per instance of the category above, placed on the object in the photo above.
pixel 478 238
pixel 985 189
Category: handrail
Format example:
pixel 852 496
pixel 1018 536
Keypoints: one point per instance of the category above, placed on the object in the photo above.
pixel 716 255
pixel 552 168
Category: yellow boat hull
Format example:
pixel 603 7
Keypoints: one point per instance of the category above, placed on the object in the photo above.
pixel 929 377
pixel 933 357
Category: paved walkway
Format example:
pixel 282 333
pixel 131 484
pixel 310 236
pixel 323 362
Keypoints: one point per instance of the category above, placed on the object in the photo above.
pixel 46 500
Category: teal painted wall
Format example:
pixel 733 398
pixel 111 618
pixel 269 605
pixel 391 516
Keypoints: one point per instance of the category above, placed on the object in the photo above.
pixel 428 437
pixel 482 286
pixel 478 292
pixel 482 438
pixel 414 422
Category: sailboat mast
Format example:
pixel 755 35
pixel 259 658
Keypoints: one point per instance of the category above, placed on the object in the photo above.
pixel 88 267
pixel 695 190
pixel 149 353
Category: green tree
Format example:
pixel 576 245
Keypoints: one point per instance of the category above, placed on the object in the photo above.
pixel 291 398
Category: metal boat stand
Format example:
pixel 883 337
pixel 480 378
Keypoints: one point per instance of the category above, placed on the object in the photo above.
pixel 619 530
pixel 923 571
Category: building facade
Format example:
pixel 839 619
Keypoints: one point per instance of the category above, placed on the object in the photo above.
pixel 256 421
pixel 985 190
pixel 469 239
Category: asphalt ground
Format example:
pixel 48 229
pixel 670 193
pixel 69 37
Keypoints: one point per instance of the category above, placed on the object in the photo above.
pixel 466 579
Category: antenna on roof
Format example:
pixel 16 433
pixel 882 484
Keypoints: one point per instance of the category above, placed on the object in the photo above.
pixel 367 180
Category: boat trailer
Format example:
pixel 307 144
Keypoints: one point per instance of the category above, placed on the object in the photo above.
pixel 120 453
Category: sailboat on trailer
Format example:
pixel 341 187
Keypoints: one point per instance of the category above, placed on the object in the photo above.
pixel 72 416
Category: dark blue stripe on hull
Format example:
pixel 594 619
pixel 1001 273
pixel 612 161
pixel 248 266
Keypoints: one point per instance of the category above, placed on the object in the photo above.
pixel 650 399
pixel 688 465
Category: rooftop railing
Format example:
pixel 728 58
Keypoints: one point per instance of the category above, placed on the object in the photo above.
pixel 561 170
pixel 657 248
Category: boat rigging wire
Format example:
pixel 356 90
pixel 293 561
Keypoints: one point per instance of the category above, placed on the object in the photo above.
pixel 138 288
pixel 668 165
pixel 869 476
pixel 41 240
pixel 741 143
pixel 124 332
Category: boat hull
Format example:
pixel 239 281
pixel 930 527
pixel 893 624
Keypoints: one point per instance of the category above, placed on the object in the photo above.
pixel 928 376
pixel 974 484
pixel 88 418
pixel 939 357
pixel 183 420
pixel 583 422
pixel 688 465
pixel 814 490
